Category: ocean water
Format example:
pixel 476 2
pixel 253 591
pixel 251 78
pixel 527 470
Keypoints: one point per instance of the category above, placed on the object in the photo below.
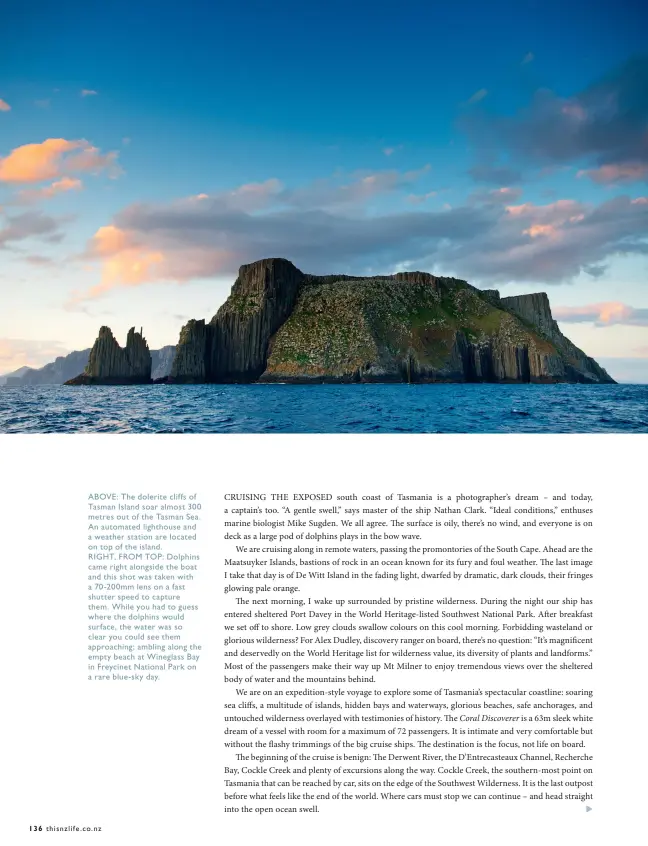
pixel 326 408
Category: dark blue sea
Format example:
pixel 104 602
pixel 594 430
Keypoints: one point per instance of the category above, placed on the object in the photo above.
pixel 478 408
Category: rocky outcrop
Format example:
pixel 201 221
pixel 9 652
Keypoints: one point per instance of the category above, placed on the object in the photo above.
pixel 233 346
pixel 280 325
pixel 193 353
pixel 110 364
pixel 67 367
pixel 535 311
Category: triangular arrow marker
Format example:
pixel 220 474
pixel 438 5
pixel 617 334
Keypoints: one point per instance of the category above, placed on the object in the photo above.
pixel 587 808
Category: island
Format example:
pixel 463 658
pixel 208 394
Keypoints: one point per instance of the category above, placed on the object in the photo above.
pixel 282 325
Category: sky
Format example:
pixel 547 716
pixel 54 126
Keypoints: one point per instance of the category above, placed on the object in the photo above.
pixel 147 150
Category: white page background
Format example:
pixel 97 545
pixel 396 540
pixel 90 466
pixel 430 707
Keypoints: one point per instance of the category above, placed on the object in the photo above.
pixel 144 760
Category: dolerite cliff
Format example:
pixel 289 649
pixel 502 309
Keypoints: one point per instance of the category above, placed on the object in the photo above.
pixel 282 325
pixel 535 311
pixel 233 346
pixel 110 364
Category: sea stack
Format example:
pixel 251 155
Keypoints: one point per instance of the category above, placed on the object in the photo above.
pixel 282 325
pixel 110 364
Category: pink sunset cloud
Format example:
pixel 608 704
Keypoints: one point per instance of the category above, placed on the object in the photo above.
pixel 603 314
pixel 54 158
pixel 60 186
pixel 611 174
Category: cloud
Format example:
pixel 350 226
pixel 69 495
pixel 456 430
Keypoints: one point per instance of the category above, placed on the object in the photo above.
pixel 322 194
pixel 615 173
pixel 553 243
pixel 252 195
pixel 326 194
pixel 528 59
pixel 35 162
pixel 389 151
pixel 602 126
pixel 60 186
pixel 53 159
pixel 91 160
pixel 202 237
pixel 4 106
pixel 603 314
pixel 32 224
pixel 545 230
pixel 325 227
pixel 125 262
pixel 477 96
pixel 39 261
pixel 88 92
pixel 495 195
pixel 417 199
pixel 594 270
pixel 128 261
pixel 16 353
pixel 43 104
pixel 495 174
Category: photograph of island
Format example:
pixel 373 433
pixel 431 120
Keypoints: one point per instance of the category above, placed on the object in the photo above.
pixel 191 243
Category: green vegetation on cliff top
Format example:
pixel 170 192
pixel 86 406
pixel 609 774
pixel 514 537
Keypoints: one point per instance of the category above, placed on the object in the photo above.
pixel 341 327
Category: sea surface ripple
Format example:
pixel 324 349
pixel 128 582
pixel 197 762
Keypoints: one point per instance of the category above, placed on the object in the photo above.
pixel 397 408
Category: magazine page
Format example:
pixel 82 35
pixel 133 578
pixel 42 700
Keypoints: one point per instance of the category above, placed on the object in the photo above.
pixel 323 422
